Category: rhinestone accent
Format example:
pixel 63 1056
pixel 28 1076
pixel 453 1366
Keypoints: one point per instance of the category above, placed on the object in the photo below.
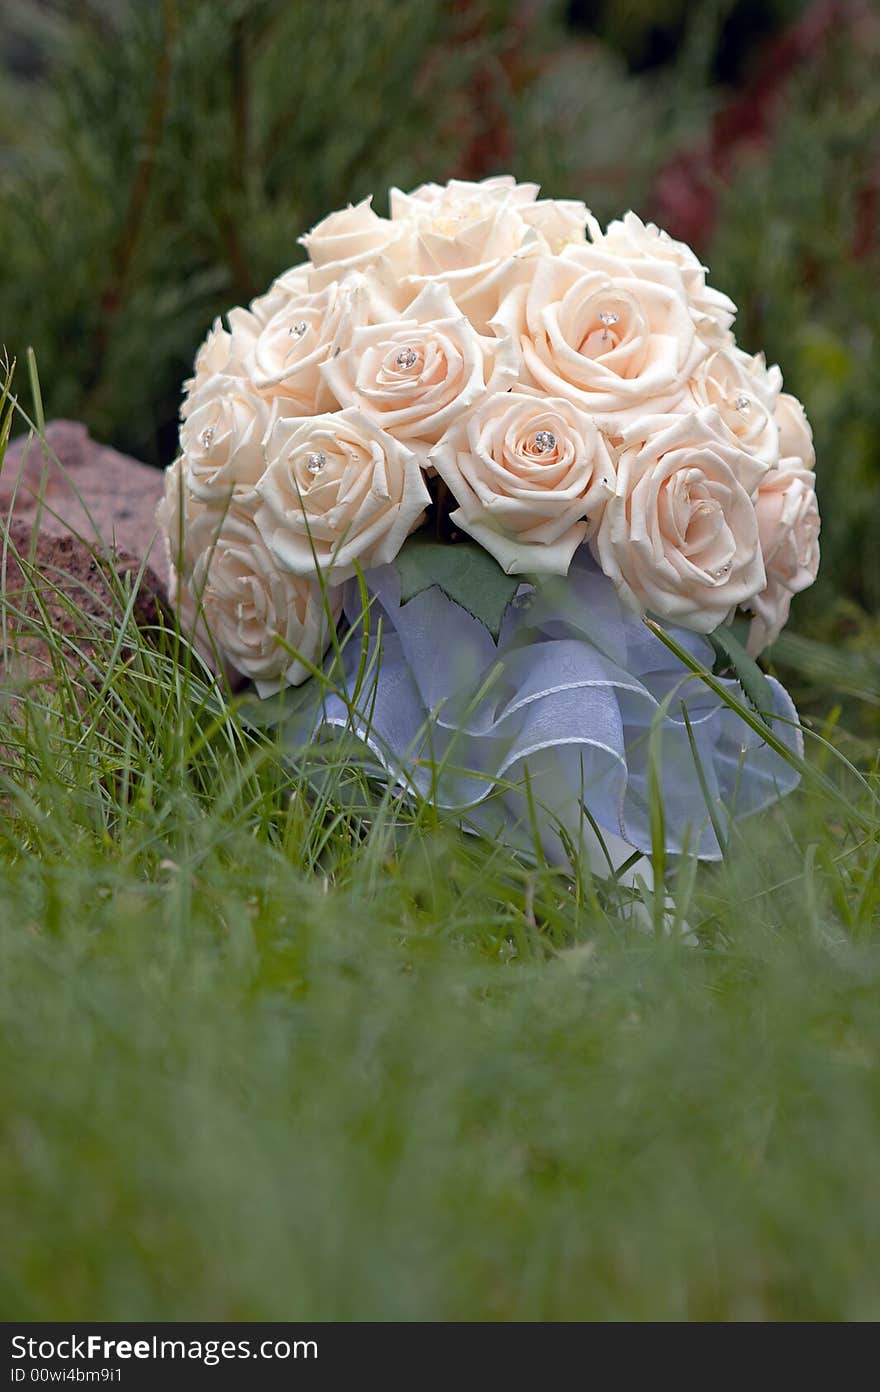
pixel 207 436
pixel 316 462
pixel 608 317
pixel 743 405
pixel 406 358
pixel 720 573
pixel 545 441
pixel 298 330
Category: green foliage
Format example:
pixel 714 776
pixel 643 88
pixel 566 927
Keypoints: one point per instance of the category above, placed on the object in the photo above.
pixel 586 128
pixel 466 573
pixel 798 248
pixel 170 163
pixel 173 153
pixel 158 162
pixel 732 654
pixel 271 1048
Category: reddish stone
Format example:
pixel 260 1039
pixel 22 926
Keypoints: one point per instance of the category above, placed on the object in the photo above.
pixel 88 491
pixel 60 584
pixel 95 509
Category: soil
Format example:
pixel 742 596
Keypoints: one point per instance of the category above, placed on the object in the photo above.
pixel 68 586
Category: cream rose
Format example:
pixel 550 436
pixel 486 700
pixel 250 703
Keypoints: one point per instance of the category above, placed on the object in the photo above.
pixel 338 489
pixel 353 239
pixel 293 282
pixel 740 389
pixel 215 355
pixel 679 538
pixel 175 515
pixel 617 345
pixel 261 619
pixel 630 239
pixel 418 374
pixel 766 381
pixel 222 354
pixel 788 525
pixel 479 239
pixel 795 435
pixel 531 475
pixel 286 358
pixel 560 222
pixel 222 439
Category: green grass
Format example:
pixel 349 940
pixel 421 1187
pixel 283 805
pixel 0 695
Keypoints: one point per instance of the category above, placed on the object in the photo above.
pixel 270 1055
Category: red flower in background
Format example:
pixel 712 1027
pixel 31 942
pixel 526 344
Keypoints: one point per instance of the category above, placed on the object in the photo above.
pixel 686 191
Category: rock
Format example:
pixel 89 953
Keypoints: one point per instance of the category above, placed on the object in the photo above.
pixel 65 587
pixel 98 510
pixel 90 492
pixel 97 513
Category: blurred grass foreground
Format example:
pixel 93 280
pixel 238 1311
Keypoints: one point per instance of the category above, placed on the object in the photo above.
pixel 269 1054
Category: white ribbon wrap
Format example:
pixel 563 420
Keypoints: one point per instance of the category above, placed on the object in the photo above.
pixel 555 718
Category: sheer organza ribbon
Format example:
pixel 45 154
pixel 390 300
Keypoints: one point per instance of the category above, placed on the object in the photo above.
pixel 548 732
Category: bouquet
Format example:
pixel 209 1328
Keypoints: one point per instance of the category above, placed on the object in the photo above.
pixel 440 472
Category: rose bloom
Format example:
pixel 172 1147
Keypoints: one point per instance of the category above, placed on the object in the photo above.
pixel 222 354
pixel 216 355
pixel 418 374
pixel 338 489
pixel 286 358
pixel 479 239
pixel 741 390
pixel 618 345
pixel 261 619
pixel 765 381
pixel 353 239
pixel 679 538
pixel 795 435
pixel 632 240
pixel 175 515
pixel 788 523
pixel 290 284
pixel 222 438
pixel 531 475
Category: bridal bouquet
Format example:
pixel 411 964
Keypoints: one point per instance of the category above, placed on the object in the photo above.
pixel 441 471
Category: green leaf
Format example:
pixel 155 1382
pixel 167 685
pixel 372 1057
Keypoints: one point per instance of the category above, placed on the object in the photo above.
pixel 271 712
pixel 465 573
pixel 749 675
